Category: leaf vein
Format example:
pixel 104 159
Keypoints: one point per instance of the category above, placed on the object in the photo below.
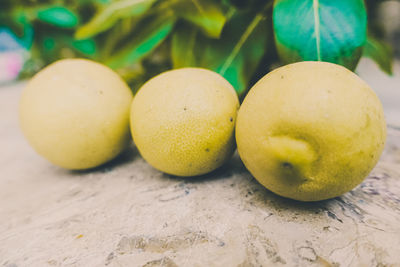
pixel 199 7
pixel 317 28
pixel 240 43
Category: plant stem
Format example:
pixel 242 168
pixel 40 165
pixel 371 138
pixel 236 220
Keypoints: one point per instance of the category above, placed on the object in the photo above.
pixel 241 42
pixel 243 38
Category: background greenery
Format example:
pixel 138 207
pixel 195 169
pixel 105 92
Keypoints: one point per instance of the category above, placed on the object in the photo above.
pixel 241 40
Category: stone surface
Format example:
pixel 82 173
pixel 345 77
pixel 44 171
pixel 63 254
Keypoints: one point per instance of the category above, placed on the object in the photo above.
pixel 128 214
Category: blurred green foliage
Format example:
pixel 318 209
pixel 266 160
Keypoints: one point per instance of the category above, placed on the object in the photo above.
pixel 141 38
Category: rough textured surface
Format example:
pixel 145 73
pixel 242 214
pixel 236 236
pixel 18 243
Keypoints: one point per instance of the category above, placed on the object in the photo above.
pixel 127 214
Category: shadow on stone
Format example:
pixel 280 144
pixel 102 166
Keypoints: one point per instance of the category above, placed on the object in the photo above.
pixel 126 157
pixel 233 166
pixel 262 197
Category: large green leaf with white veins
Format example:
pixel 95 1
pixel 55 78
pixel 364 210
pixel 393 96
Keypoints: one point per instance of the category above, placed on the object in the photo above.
pixel 320 30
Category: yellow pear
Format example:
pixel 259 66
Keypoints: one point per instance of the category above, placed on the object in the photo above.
pixel 310 131
pixel 75 113
pixel 182 121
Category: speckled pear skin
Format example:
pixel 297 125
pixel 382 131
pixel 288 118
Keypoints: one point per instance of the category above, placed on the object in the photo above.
pixel 75 113
pixel 310 131
pixel 182 121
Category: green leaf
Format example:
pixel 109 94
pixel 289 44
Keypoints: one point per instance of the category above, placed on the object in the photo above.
pixel 207 14
pixel 58 16
pixel 87 46
pixel 320 30
pixel 58 44
pixel 22 27
pixel 183 44
pixel 380 52
pixel 246 5
pixel 146 37
pixel 235 55
pixel 107 17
